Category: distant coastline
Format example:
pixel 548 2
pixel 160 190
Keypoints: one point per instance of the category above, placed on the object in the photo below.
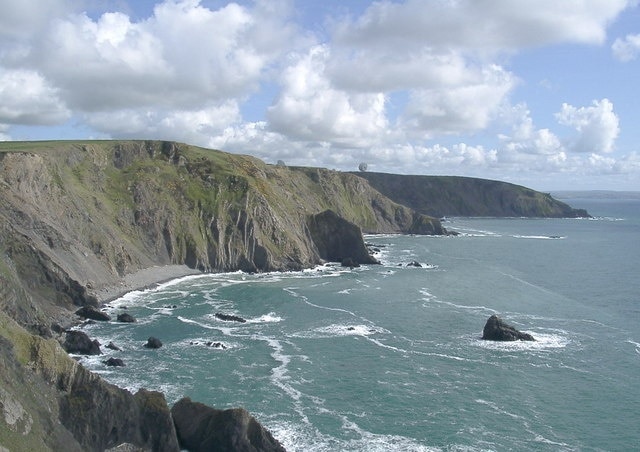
pixel 595 194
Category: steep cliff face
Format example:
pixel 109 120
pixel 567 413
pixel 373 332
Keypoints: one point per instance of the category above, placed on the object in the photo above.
pixel 76 217
pixel 466 196
pixel 50 402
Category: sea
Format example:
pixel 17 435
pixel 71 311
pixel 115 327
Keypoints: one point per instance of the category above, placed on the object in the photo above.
pixel 389 357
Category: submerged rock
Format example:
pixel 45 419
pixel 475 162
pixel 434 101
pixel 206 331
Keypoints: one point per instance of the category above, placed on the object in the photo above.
pixel 89 312
pixel 153 342
pixel 496 330
pixel 202 428
pixel 229 317
pixel 78 342
pixel 114 362
pixel 113 346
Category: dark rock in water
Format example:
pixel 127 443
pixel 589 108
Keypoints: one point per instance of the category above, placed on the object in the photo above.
pixel 496 330
pixel 78 342
pixel 153 342
pixel 126 318
pixel 114 362
pixel 113 346
pixel 349 262
pixel 336 238
pixel 89 312
pixel 414 264
pixel 216 345
pixel 229 317
pixel 202 428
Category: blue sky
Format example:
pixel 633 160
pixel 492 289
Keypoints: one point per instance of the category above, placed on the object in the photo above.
pixel 542 94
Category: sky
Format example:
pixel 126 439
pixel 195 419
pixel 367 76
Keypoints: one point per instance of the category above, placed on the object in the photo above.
pixel 540 93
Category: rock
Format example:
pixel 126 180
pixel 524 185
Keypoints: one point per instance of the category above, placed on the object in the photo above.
pixel 113 346
pixel 114 362
pixel 126 318
pixel 153 342
pixel 216 345
pixel 496 330
pixel 414 264
pixel 349 262
pixel 337 239
pixel 202 428
pixel 78 342
pixel 229 317
pixel 89 312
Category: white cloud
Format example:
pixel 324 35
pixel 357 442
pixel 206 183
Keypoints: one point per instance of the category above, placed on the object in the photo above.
pixel 485 25
pixel 20 19
pixel 27 98
pixel 626 49
pixel 197 126
pixel 597 126
pixel 310 108
pixel 458 109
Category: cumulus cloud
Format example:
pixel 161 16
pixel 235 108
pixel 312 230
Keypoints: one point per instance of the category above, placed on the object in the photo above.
pixel 626 49
pixel 458 109
pixel 27 98
pixel 597 126
pixel 310 108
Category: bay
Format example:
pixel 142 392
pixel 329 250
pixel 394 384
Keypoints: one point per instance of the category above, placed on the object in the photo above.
pixel 389 357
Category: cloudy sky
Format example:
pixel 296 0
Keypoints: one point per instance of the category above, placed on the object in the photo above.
pixel 542 93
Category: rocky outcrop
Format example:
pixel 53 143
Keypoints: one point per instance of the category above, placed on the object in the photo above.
pixel 89 312
pixel 125 317
pixel 336 239
pixel 78 342
pixel 229 317
pixel 56 404
pixel 201 429
pixel 497 330
pixel 441 196
pixel 153 343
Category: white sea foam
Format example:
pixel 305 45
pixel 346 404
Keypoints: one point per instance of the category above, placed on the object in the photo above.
pixel 271 317
pixel 543 341
pixel 304 437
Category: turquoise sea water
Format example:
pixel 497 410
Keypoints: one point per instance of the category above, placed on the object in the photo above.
pixel 389 357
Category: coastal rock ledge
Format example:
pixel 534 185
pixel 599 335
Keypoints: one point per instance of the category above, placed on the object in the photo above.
pixel 201 428
pixel 496 330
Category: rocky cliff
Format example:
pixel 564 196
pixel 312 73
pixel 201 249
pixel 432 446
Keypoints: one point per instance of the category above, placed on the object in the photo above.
pixel 468 197
pixel 76 218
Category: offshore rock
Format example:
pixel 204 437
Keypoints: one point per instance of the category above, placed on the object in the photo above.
pixel 89 312
pixel 126 318
pixel 496 330
pixel 337 239
pixel 114 362
pixel 201 428
pixel 229 317
pixel 153 342
pixel 78 342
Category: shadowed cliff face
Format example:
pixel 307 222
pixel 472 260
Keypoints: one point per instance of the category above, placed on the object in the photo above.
pixel 468 197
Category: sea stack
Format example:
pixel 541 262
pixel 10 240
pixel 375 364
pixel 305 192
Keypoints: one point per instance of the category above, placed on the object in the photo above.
pixel 496 330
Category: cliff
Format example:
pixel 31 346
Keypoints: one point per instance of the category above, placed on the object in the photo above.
pixel 442 196
pixel 77 218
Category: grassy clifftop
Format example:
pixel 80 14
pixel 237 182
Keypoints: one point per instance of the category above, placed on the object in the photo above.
pixel 466 196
